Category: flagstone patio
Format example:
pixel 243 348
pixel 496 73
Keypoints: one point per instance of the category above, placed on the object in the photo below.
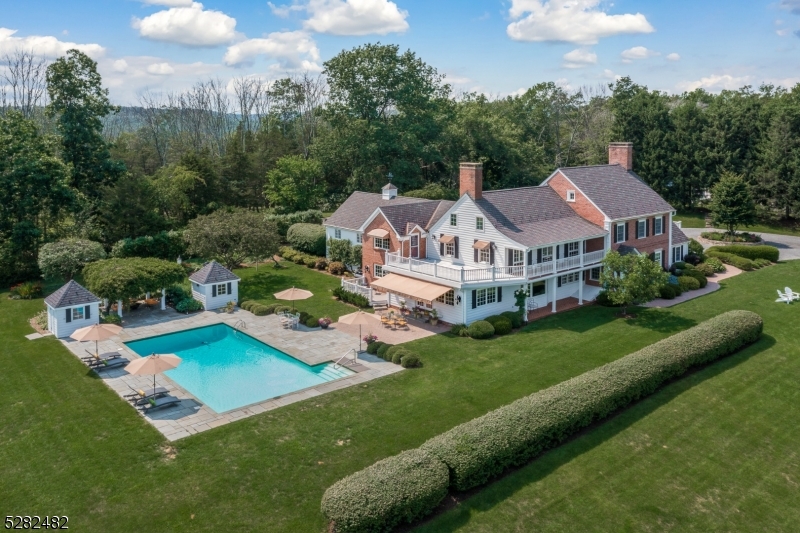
pixel 312 346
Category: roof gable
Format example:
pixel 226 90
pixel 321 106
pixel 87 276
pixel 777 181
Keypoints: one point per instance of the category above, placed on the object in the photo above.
pixel 213 272
pixel 360 206
pixel 69 295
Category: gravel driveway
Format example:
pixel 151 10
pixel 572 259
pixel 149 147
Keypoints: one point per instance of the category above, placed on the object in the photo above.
pixel 788 246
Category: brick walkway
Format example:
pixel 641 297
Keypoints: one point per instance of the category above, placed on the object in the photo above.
pixel 312 346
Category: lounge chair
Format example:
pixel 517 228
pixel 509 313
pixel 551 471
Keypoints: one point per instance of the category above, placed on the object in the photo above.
pixel 101 357
pixel 791 294
pixel 109 364
pixel 159 403
pixel 787 297
pixel 143 395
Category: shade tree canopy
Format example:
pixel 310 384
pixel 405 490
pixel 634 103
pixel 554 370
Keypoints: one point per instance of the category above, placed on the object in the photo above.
pixel 120 279
pixel 631 279
pixel 68 257
pixel 230 237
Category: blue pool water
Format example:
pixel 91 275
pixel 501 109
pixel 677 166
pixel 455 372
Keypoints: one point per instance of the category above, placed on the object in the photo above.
pixel 226 369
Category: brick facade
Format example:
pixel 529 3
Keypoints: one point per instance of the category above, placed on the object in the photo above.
pixel 471 180
pixel 648 244
pixel 621 154
pixel 582 206
pixel 405 245
pixel 595 245
pixel 371 256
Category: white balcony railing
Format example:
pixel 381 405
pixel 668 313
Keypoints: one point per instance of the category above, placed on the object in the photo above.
pixel 460 274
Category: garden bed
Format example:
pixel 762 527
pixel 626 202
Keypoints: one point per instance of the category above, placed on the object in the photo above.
pixel 718 238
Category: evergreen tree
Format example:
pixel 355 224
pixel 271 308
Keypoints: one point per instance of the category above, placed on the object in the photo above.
pixel 732 203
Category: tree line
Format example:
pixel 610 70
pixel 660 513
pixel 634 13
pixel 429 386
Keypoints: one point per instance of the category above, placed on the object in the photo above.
pixel 73 165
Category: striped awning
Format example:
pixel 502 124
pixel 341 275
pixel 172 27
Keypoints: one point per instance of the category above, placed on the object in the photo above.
pixel 379 233
pixel 409 287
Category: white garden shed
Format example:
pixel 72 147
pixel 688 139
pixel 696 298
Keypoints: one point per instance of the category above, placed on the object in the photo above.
pixel 214 286
pixel 71 307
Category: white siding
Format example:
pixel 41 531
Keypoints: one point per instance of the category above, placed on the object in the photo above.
pixel 452 314
pixel 483 311
pixel 202 293
pixel 57 320
pixel 347 234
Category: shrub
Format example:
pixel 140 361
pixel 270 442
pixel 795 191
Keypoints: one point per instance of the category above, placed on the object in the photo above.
pixel 68 257
pixel 514 317
pixel 280 308
pixel 312 322
pixel 696 274
pixel 168 245
pixel 350 297
pixel 244 304
pixel 188 305
pixel 460 330
pixel 382 351
pixel 110 319
pixel 321 264
pixel 372 348
pixel 303 317
pixel 411 360
pixel 284 222
pixel 678 265
pixel 397 490
pixel 175 294
pixel 667 292
pixel 693 259
pixel 311 262
pixel 398 355
pixel 696 248
pixel 481 329
pixel 299 259
pixel 603 299
pixel 501 325
pixel 770 253
pixel 287 252
pixel 308 238
pixel 727 237
pixel 688 283
pixel 28 289
pixel 511 435
pixel 336 268
pixel 261 310
pixel 733 260
pixel 705 269
pixel 761 263
pixel 716 264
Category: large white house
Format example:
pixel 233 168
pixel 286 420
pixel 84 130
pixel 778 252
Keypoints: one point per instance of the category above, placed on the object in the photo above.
pixel 466 259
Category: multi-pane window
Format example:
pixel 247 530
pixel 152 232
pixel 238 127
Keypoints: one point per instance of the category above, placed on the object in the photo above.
pixel 570 196
pixel 594 274
pixel 359 238
pixel 641 229
pixel 77 313
pixel 537 289
pixel 222 289
pixel 378 270
pixel 620 232
pixel 450 249
pixel 573 248
pixel 485 296
pixel 517 258
pixel 657 257
pixel 337 234
pixel 479 223
pixel 547 254
pixel 572 277
pixel 453 219
pixel 658 226
pixel 677 254
pixel 484 255
pixel 382 244
pixel 448 298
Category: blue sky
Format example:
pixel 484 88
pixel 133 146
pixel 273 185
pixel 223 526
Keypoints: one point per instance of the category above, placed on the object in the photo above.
pixel 494 46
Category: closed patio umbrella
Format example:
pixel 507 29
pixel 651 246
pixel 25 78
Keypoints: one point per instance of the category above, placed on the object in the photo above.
pixel 293 294
pixel 153 364
pixel 361 318
pixel 97 332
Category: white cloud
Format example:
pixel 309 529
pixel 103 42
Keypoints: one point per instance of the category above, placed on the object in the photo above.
pixel 563 83
pixel 573 21
pixel 169 3
pixel 286 10
pixel 673 57
pixel 120 65
pixel 610 75
pixel 637 52
pixel 355 17
pixel 579 58
pixel 293 50
pixel 191 26
pixel 45 45
pixel 160 69
pixel 715 82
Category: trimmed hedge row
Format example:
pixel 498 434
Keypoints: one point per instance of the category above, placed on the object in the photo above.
pixel 400 489
pixel 408 486
pixel 350 297
pixel 284 222
pixel 480 329
pixel 308 238
pixel 741 263
pixel 770 253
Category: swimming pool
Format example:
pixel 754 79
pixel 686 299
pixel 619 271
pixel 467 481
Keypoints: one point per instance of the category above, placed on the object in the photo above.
pixel 226 369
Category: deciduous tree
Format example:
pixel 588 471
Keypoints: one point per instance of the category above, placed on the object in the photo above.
pixel 68 257
pixel 230 237
pixel 631 279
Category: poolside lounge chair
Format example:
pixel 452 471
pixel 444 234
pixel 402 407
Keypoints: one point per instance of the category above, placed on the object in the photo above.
pixel 110 363
pixel 139 397
pixel 159 403
pixel 101 357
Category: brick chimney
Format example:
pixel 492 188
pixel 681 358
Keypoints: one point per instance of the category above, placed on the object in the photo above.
pixel 621 154
pixel 471 180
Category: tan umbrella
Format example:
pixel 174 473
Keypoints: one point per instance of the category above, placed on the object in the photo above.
pixel 361 318
pixel 98 332
pixel 153 364
pixel 293 294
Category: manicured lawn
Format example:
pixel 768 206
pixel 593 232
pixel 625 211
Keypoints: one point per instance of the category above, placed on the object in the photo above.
pixel 691 219
pixel 262 284
pixel 69 446
pixel 696 219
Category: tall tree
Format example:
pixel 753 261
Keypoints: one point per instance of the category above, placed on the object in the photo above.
pixel 732 204
pixel 295 184
pixel 78 101
pixel 690 168
pixel 232 236
pixel 777 183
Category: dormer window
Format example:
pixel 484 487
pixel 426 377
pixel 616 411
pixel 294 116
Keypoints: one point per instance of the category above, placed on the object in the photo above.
pixel 570 196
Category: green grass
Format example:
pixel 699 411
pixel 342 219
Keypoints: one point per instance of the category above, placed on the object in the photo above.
pixel 696 219
pixel 262 284
pixel 68 445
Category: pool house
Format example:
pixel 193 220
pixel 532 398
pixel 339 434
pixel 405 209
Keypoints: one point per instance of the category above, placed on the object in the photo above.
pixel 70 308
pixel 214 286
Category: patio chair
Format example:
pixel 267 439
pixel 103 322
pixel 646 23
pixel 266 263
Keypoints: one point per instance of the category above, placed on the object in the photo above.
pixel 109 364
pixel 138 397
pixel 107 356
pixel 785 297
pixel 159 403
pixel 791 294
pixel 401 323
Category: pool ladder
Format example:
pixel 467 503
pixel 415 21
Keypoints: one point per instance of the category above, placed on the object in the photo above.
pixel 337 364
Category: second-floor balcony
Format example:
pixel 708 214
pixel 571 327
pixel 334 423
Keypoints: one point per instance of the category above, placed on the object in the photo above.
pixel 464 274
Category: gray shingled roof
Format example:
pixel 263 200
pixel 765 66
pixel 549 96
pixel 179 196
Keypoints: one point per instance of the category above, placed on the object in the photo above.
pixel 71 294
pixel 678 236
pixel 213 272
pixel 360 205
pixel 403 217
pixel 617 192
pixel 534 216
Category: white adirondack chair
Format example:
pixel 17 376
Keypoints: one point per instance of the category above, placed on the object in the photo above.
pixel 786 297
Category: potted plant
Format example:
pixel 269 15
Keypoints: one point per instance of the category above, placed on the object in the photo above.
pixel 403 308
pixel 369 338
pixel 324 322
pixel 434 317
pixel 230 306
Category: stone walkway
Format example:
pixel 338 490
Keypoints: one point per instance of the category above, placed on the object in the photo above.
pixel 312 346
pixel 712 286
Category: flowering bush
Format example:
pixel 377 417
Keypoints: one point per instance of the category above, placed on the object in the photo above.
pixel 324 321
pixel 370 338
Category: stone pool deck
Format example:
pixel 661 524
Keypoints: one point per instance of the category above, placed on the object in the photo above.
pixel 312 346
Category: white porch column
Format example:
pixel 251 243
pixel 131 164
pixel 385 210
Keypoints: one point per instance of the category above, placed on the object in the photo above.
pixel 119 308
pixel 163 299
pixel 555 293
pixel 581 281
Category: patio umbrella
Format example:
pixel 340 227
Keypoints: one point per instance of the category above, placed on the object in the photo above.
pixel 153 364
pixel 293 294
pixel 361 318
pixel 98 332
